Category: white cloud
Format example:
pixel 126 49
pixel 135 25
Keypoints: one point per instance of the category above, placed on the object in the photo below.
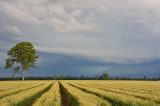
pixel 72 25
pixel 11 29
pixel 51 14
pixel 76 13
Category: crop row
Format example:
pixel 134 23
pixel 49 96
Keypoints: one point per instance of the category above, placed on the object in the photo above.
pixel 25 98
pixel 115 98
pixel 75 93
pixel 50 98
pixel 140 95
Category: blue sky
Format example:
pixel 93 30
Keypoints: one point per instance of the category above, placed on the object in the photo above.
pixel 85 37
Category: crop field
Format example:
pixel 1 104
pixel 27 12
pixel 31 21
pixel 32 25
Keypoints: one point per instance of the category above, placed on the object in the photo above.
pixel 79 93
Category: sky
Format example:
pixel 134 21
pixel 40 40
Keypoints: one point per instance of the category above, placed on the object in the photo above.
pixel 84 37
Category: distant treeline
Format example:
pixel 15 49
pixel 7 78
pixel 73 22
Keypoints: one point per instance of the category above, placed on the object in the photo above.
pixel 104 76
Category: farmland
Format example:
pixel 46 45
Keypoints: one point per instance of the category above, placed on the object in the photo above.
pixel 79 93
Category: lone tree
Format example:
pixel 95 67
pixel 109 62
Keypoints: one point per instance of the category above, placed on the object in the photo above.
pixel 21 58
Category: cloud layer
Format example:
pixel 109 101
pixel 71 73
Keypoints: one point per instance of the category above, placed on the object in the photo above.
pixel 113 31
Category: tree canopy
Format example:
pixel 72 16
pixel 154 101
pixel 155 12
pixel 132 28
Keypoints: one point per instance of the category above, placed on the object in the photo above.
pixel 21 58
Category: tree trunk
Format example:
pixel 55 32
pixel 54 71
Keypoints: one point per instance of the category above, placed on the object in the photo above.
pixel 23 76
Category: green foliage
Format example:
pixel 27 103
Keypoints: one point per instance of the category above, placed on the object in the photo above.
pixel 21 57
pixel 105 76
